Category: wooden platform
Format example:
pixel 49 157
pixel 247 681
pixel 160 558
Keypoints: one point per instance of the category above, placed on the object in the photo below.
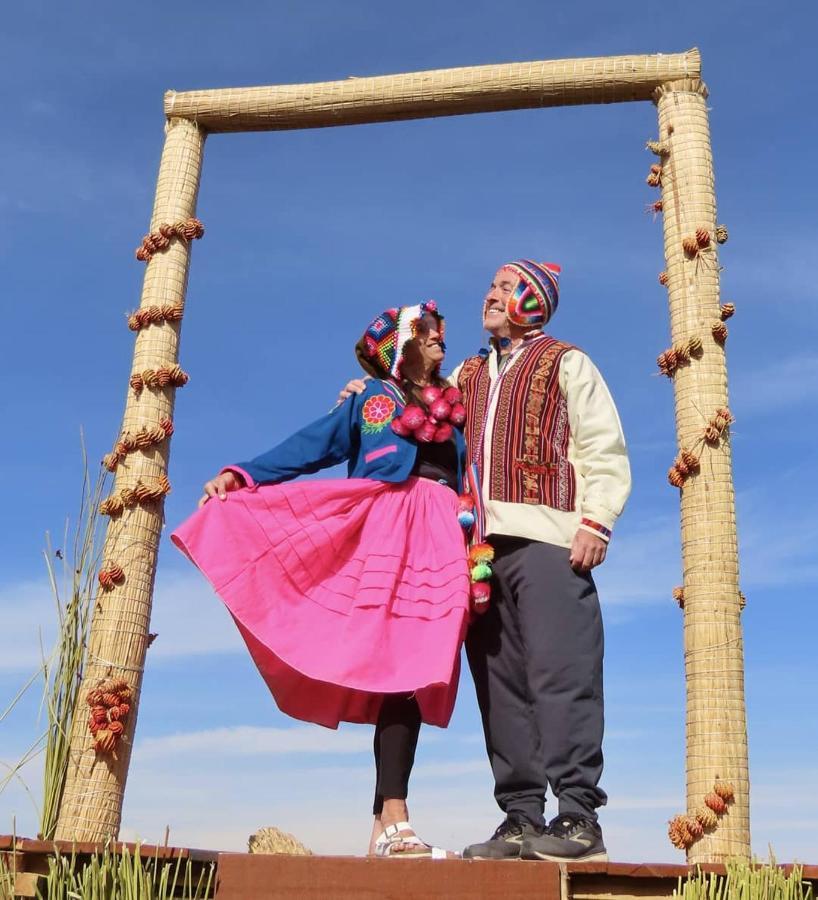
pixel 242 876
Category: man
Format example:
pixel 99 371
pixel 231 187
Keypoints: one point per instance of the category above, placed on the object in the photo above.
pixel 551 476
pixel 544 434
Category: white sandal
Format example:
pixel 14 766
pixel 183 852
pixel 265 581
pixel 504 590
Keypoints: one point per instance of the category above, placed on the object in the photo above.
pixel 391 837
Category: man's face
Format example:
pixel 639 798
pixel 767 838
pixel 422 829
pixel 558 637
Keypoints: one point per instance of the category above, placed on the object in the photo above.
pixel 494 304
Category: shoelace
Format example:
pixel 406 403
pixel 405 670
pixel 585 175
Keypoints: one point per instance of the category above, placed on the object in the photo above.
pixel 564 826
pixel 506 828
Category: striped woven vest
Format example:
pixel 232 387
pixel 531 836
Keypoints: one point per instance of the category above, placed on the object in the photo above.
pixel 529 450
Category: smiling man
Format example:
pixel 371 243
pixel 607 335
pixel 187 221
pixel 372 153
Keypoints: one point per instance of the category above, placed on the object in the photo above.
pixel 552 476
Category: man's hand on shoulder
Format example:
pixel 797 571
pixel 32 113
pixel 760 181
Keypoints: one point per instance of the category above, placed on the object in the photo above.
pixel 356 386
pixel 587 551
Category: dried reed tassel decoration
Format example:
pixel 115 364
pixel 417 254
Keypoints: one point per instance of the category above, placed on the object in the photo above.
pixel 725 790
pixel 157 241
pixel 706 817
pixel 161 377
pixel 110 705
pixel 727 310
pixel 685 465
pixel 679 832
pixel 656 207
pixel 142 440
pixel 690 246
pixel 721 234
pixel 670 360
pixel 679 596
pixel 110 575
pixel 742 600
pixel 702 238
pixel 715 803
pixel 140 493
pixel 719 331
pixel 663 278
pixel 152 315
pixel 659 148
pixel 654 178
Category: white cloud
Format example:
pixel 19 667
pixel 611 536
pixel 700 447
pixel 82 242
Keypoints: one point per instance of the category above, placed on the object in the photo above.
pixel 251 740
pixel 187 616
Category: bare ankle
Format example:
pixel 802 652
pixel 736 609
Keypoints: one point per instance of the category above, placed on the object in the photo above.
pixel 394 811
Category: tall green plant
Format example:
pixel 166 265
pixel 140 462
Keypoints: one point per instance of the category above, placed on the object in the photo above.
pixel 122 875
pixel 63 671
pixel 73 589
pixel 747 881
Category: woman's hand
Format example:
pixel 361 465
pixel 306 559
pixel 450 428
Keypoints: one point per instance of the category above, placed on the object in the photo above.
pixel 220 485
pixel 356 386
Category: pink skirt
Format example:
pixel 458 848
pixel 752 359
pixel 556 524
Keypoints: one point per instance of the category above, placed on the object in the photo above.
pixel 344 590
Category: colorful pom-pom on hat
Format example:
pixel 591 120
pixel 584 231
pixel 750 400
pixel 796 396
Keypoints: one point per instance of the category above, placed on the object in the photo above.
pixel 380 350
pixel 537 294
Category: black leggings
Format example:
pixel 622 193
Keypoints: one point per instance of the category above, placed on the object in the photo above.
pixel 396 738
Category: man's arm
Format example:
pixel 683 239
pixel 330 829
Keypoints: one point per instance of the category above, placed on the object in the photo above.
pixel 600 455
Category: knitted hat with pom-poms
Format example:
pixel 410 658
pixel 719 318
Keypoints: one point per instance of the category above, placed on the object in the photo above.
pixel 537 294
pixel 380 350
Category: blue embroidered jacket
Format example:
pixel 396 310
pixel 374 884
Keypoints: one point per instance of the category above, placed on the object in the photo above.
pixel 359 430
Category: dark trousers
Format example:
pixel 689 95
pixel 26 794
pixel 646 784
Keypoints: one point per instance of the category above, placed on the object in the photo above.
pixel 536 659
pixel 396 739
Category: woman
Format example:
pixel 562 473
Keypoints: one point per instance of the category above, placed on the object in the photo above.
pixel 353 595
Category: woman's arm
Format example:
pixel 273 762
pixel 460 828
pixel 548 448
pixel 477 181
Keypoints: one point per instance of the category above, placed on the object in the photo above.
pixel 323 443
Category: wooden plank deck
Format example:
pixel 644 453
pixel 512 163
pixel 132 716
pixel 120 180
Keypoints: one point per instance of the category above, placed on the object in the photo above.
pixel 244 876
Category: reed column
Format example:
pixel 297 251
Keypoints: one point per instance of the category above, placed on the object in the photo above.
pixel 91 807
pixel 714 666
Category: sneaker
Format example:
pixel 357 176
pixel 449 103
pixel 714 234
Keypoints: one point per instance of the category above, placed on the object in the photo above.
pixel 567 838
pixel 505 843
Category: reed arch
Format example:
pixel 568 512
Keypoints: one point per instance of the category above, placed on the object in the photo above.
pixel 716 745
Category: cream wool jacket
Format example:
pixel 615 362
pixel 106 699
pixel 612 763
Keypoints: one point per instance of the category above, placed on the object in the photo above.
pixel 596 449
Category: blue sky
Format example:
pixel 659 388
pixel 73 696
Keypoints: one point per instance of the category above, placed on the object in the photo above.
pixel 308 235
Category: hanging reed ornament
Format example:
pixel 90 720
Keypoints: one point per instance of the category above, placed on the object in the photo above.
pixel 658 148
pixel 139 494
pixel 727 310
pixel 159 240
pixel 663 278
pixel 719 332
pixel 654 178
pixel 110 703
pixel 679 596
pixel 110 575
pixel 172 375
pixel 706 817
pixel 141 440
pixel 153 315
pixel 721 234
pixel 670 360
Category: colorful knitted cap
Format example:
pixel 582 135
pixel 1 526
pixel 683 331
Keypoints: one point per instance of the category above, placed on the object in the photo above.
pixel 537 294
pixel 382 345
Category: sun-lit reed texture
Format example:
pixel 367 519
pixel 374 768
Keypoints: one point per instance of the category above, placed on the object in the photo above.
pixel 92 800
pixel 440 92
pixel 713 649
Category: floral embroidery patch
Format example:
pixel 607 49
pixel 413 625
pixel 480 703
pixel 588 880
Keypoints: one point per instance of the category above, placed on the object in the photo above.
pixel 377 413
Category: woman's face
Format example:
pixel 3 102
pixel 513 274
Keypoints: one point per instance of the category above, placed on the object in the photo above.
pixel 426 348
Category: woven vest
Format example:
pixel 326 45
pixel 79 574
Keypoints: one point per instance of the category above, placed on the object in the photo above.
pixel 529 449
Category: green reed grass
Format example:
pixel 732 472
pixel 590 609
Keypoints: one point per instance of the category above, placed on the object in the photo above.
pixel 73 586
pixel 118 875
pixel 747 881
pixel 64 670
